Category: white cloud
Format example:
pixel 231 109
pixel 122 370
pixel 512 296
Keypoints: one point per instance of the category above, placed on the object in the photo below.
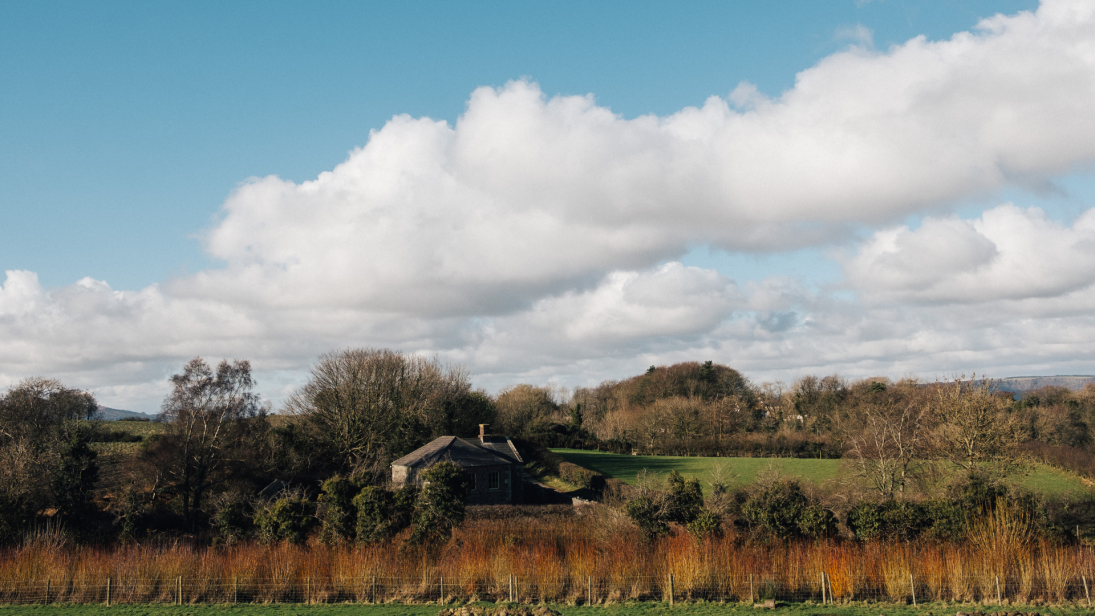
pixel 1007 254
pixel 537 237
pixel 528 196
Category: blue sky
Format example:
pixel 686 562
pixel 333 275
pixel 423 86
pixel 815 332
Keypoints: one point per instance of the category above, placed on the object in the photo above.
pixel 130 134
pixel 125 125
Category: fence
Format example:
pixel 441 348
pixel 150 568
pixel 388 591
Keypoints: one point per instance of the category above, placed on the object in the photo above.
pixel 593 589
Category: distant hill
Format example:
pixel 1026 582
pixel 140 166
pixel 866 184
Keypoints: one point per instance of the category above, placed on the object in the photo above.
pixel 109 414
pixel 1021 384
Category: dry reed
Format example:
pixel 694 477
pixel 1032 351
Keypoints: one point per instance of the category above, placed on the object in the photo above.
pixel 561 558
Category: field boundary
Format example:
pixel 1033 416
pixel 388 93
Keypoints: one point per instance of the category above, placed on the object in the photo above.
pixel 594 589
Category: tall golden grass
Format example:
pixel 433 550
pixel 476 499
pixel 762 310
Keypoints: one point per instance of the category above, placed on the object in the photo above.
pixel 559 559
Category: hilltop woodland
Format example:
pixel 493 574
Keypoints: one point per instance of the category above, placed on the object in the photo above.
pixel 220 471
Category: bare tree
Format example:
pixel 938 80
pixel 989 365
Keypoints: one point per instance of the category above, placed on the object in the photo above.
pixel 974 424
pixel 208 416
pixel 888 435
pixel 372 405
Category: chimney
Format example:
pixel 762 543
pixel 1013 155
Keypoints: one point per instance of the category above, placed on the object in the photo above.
pixel 483 432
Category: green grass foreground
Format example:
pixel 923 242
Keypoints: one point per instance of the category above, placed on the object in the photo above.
pixel 619 609
pixel 740 472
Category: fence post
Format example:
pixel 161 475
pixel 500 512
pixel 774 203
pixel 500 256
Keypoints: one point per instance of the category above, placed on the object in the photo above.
pixel 47 592
pixel 108 592
pixel 178 593
pixel 751 599
pixel 442 590
pixel 830 580
pixel 236 589
pixel 511 588
pixel 517 589
pixel 823 588
pixel 670 590
pixel 1082 576
pixel 997 590
pixel 589 589
pixel 912 587
pixel 374 589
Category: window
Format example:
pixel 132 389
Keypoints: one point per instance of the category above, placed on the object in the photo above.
pixel 471 480
pixel 492 480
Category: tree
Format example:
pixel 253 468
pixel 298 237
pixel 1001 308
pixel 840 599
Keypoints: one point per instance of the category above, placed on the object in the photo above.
pixel 888 432
pixel 370 406
pixel 974 424
pixel 45 460
pixel 523 408
pixel 211 427
pixel 440 506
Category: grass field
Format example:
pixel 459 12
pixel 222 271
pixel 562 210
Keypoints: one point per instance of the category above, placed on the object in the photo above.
pixel 642 609
pixel 739 472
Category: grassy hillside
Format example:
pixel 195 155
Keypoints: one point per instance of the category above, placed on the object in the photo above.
pixel 739 472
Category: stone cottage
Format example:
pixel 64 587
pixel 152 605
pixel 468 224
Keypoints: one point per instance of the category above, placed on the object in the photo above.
pixel 495 469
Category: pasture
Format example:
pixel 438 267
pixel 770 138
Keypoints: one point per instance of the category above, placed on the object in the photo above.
pixel 739 472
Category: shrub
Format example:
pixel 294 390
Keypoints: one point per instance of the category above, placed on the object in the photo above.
pixel 337 510
pixel 648 512
pixel 374 514
pixel 685 498
pixel 382 514
pixel 229 519
pixel 777 508
pixel 947 520
pixel 864 521
pixel 817 522
pixel 581 477
pixel 289 518
pixel 901 520
pixel 706 524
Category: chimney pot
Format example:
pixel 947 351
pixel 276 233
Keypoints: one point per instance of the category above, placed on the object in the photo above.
pixel 483 432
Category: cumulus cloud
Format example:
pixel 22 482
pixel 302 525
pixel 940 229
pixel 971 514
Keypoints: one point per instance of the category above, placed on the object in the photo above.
pixel 538 236
pixel 528 196
pixel 1008 253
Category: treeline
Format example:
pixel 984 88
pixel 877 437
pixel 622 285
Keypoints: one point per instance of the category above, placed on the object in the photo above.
pixel 223 461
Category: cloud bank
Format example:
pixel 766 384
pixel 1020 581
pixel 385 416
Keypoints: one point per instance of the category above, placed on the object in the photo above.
pixel 539 237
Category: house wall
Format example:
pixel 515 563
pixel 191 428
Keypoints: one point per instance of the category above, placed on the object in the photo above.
pixel 508 491
pixel 400 475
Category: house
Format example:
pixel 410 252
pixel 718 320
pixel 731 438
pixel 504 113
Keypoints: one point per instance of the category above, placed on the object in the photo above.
pixel 495 469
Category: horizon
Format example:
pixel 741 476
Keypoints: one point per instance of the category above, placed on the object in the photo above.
pixel 558 194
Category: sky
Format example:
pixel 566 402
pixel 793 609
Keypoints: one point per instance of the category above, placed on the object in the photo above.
pixel 562 192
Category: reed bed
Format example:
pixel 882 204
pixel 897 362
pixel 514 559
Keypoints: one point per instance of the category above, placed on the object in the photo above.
pixel 595 558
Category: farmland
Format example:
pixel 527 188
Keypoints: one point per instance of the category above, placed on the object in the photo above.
pixel 738 473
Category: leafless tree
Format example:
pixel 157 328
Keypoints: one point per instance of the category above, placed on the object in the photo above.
pixel 207 415
pixel 888 434
pixel 974 425
pixel 372 405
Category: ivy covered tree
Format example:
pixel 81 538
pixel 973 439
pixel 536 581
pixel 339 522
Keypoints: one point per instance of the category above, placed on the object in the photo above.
pixel 440 507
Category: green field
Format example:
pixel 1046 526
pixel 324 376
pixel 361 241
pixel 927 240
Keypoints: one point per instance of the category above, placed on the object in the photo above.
pixel 643 609
pixel 739 472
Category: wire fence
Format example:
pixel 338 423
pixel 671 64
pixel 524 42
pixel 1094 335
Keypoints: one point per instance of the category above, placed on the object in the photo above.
pixel 592 590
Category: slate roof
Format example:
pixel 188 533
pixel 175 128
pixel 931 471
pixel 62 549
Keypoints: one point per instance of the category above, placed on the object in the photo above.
pixel 461 451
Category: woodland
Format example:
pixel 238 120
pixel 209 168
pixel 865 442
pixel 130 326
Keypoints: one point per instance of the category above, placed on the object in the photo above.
pixel 221 487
